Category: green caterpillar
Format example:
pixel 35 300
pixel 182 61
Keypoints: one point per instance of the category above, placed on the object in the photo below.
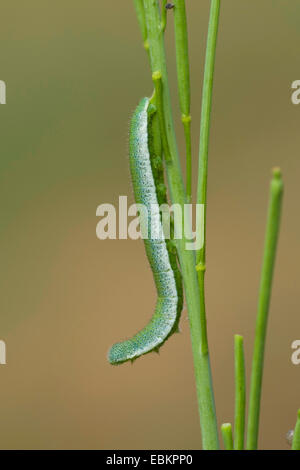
pixel 149 189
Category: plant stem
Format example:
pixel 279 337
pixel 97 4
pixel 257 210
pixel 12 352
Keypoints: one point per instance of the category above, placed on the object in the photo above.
pixel 205 121
pixel 183 80
pixel 226 431
pixel 186 257
pixel 296 438
pixel 157 80
pixel 273 222
pixel 203 155
pixel 163 15
pixel 140 13
pixel 240 392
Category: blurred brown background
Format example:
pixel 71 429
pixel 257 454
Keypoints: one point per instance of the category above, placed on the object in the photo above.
pixel 74 73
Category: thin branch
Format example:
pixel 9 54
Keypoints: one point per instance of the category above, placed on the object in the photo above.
pixel 226 431
pixel 240 392
pixel 272 231
pixel 183 81
pixel 296 438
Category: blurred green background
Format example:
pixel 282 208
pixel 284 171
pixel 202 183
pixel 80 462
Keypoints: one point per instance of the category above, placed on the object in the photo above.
pixel 74 72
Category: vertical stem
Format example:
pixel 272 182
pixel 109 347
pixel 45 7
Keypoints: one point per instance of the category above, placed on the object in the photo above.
pixel 226 431
pixel 186 257
pixel 140 13
pixel 183 80
pixel 205 118
pixel 296 438
pixel 203 152
pixel 203 156
pixel 157 80
pixel 273 222
pixel 240 392
pixel 186 121
pixel 163 15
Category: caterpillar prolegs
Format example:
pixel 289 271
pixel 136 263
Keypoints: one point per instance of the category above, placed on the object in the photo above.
pixel 147 174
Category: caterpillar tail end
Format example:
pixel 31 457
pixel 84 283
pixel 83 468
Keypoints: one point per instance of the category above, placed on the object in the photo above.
pixel 122 352
pixel 115 355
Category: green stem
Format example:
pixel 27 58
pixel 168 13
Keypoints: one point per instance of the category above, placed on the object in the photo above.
pixel 240 392
pixel 226 431
pixel 205 119
pixel 157 80
pixel 163 15
pixel 140 13
pixel 271 238
pixel 186 257
pixel 296 438
pixel 186 121
pixel 203 155
pixel 183 80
